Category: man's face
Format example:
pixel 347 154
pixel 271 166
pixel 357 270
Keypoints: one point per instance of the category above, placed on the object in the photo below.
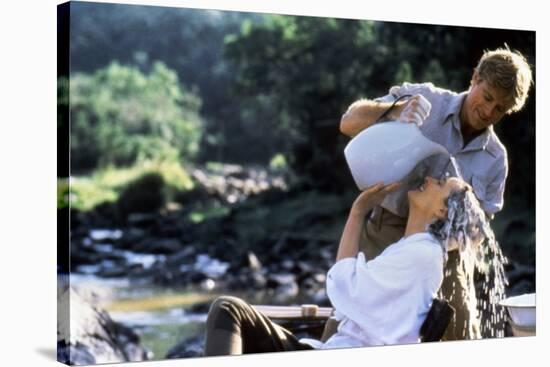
pixel 485 105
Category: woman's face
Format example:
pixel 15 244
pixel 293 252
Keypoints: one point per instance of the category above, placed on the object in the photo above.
pixel 432 195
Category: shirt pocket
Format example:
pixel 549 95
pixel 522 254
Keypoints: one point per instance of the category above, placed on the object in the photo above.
pixel 479 188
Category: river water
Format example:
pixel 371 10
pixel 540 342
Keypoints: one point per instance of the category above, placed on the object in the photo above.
pixel 161 316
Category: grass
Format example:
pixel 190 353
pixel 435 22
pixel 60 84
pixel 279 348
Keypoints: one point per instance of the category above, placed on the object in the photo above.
pixel 105 185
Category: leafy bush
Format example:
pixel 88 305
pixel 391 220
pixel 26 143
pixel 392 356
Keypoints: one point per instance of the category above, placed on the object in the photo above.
pixel 120 116
pixel 107 184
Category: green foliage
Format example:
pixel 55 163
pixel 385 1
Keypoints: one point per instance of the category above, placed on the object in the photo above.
pixel 84 193
pixel 188 41
pixel 310 213
pixel 120 116
pixel 278 162
pixel 299 85
pixel 272 83
pixel 435 73
pixel 63 193
pixel 106 185
pixel 297 75
pixel 403 74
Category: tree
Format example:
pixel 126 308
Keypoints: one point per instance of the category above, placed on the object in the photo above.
pixel 120 116
pixel 311 69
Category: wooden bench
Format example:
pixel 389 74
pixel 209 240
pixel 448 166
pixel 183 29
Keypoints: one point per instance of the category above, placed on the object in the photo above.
pixel 304 312
pixel 317 321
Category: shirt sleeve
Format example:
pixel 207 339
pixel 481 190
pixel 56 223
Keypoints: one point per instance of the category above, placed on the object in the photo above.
pixel 386 289
pixel 493 199
pixel 406 88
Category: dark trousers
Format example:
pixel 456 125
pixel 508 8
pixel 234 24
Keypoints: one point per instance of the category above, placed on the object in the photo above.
pixel 235 327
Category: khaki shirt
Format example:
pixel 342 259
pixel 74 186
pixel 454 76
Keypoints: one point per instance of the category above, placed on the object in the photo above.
pixel 483 162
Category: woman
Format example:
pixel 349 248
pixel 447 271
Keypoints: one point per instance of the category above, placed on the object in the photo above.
pixel 383 301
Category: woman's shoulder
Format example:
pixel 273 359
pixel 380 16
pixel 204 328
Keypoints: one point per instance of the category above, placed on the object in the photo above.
pixel 424 247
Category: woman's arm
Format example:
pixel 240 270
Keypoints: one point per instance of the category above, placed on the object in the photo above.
pixel 368 199
pixel 349 243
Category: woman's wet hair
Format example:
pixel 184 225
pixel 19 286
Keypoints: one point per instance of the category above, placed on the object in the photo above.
pixel 466 224
pixel 467 227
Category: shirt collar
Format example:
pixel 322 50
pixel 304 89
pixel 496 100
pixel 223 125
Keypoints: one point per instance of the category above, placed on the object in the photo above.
pixel 481 141
pixel 453 109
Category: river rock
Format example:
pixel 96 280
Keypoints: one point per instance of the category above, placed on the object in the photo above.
pixel 184 256
pixel 168 230
pixel 320 298
pixel 189 347
pixel 159 246
pixel 246 279
pixel 91 336
pixel 284 283
pixel 80 354
pixel 83 256
pixel 257 280
pixel 253 263
pixel 196 277
pixel 208 285
pixel 131 237
pixel 113 271
pixel 307 283
pixel 166 278
pixel 288 265
pixel 142 219
pixel 253 279
pixel 276 280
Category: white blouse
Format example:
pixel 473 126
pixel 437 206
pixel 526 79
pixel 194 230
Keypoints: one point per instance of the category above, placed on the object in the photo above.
pixel 385 300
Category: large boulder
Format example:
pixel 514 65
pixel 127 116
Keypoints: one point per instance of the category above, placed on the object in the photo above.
pixel 86 334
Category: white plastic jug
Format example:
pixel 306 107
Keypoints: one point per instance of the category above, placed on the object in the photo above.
pixel 387 152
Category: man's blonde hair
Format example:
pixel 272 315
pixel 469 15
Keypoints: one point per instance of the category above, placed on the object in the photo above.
pixel 509 71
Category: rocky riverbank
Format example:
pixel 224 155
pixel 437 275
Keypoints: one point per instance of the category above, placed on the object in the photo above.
pixel 248 246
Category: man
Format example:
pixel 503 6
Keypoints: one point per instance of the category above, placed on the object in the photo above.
pixel 463 123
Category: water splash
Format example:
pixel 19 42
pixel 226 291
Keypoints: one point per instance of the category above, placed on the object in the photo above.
pixel 484 266
pixel 490 265
pixel 454 168
pixel 480 259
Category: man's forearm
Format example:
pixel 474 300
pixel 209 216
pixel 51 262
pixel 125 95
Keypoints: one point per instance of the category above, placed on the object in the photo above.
pixel 363 113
